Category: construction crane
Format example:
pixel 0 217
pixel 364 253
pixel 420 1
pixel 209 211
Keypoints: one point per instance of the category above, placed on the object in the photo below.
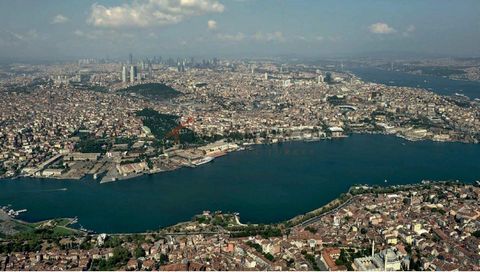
pixel 175 133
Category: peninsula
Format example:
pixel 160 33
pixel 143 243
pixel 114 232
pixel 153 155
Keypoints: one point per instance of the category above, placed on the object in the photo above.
pixel 432 225
pixel 96 123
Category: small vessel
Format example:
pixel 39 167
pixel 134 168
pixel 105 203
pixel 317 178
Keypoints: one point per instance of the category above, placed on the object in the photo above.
pixel 13 213
pixel 386 181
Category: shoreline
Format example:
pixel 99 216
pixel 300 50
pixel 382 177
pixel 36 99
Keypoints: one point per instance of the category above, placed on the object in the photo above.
pixel 242 146
pixel 300 220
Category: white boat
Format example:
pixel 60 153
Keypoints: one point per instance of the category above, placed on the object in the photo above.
pixel 204 161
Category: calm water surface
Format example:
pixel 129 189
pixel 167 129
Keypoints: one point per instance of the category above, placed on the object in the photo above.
pixel 440 85
pixel 268 184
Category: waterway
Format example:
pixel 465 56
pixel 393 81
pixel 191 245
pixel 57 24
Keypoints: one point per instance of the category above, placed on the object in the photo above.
pixel 267 184
pixel 439 85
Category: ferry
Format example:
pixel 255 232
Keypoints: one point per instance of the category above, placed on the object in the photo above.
pixel 12 213
pixel 204 161
pixel 461 95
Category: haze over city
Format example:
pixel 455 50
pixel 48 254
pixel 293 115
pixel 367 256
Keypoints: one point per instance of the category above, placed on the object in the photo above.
pixel 239 135
pixel 62 30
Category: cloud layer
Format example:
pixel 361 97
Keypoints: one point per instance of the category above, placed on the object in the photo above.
pixel 381 28
pixel 59 19
pixel 147 13
pixel 212 24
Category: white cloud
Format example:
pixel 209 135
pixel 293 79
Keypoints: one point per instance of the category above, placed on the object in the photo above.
pixel 410 29
pixel 147 13
pixel 381 28
pixel 103 34
pixel 268 37
pixel 212 24
pixel 302 38
pixel 231 38
pixel 259 36
pixel 59 19
pixel 9 38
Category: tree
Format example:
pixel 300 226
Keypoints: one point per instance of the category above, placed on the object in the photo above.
pixel 139 252
pixel 120 257
pixel 363 231
pixel 163 259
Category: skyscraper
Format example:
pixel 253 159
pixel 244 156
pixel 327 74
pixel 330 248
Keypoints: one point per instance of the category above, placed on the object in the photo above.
pixel 320 79
pixel 133 73
pixel 124 74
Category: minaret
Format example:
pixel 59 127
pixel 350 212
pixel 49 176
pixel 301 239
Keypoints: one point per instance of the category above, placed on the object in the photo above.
pixel 373 248
pixel 385 260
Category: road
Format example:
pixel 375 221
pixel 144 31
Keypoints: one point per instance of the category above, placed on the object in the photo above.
pixel 318 217
pixel 172 233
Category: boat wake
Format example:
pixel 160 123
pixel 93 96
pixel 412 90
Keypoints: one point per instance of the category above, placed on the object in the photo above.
pixel 47 191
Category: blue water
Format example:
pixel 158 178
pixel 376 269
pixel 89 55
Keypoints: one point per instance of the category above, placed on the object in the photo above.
pixel 439 85
pixel 268 184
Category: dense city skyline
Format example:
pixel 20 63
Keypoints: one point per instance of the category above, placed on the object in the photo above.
pixel 58 30
pixel 239 135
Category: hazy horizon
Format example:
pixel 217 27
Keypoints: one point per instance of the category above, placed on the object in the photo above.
pixel 62 30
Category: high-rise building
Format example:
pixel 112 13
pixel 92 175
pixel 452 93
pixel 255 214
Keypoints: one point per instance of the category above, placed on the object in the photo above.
pixel 320 79
pixel 124 74
pixel 181 67
pixel 133 73
pixel 130 59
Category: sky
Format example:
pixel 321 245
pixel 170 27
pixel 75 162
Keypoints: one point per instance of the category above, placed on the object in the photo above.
pixel 69 29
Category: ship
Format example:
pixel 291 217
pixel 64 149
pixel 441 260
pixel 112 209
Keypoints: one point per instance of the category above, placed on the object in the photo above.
pixel 204 161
